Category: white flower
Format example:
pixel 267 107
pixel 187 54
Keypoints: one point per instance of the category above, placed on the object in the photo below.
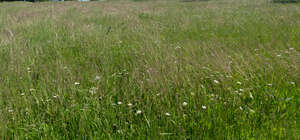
pixel 239 83
pixel 291 48
pixel 129 104
pixel 31 89
pixel 269 84
pixel 167 114
pixel 184 103
pixel 216 81
pixel 55 96
pixel 97 78
pixel 22 94
pixel 93 90
pixel 241 90
pixel 293 83
pixel 138 112
pixel 279 55
pixel 76 83
pixel 193 93
pixel 203 107
pixel 10 110
pixel 119 103
pixel 241 108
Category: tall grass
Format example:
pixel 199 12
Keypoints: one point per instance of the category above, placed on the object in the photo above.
pixel 157 70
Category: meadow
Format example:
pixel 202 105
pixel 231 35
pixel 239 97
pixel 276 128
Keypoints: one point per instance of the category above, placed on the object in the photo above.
pixel 120 69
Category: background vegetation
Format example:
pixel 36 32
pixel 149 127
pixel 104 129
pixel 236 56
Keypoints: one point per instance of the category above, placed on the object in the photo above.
pixel 221 69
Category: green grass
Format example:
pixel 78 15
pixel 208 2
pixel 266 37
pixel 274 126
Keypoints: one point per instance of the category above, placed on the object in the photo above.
pixel 219 69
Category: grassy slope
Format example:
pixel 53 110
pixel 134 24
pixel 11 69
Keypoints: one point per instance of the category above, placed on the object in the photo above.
pixel 155 55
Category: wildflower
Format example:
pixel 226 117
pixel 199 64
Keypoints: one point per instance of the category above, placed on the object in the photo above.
pixel 293 83
pixel 291 48
pixel 22 94
pixel 193 93
pixel 239 83
pixel 241 90
pixel 184 104
pixel 31 89
pixel 10 110
pixel 55 96
pixel 138 112
pixel 93 90
pixel 167 114
pixel 97 78
pixel 241 108
pixel 279 55
pixel 129 104
pixel 216 81
pixel 269 84
pixel 203 107
pixel 119 103
pixel 77 83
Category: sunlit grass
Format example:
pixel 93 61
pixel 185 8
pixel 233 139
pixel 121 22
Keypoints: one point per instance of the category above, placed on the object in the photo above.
pixel 154 69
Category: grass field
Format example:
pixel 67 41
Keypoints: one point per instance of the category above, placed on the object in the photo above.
pixel 219 69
